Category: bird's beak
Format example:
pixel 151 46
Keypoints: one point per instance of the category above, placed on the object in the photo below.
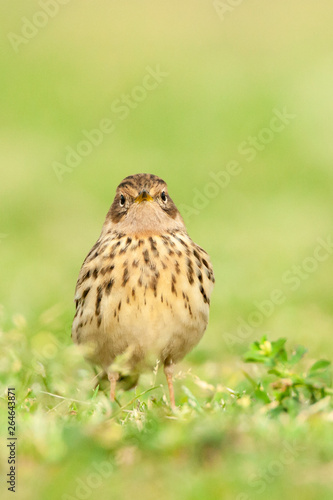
pixel 143 196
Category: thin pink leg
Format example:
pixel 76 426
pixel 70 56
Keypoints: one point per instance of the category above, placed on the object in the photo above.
pixel 168 370
pixel 113 377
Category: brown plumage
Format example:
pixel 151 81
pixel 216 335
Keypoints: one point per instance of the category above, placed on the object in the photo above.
pixel 144 288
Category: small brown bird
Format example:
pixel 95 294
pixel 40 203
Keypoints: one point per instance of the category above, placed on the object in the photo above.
pixel 144 288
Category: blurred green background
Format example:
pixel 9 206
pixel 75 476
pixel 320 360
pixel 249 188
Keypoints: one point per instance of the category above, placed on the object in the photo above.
pixel 226 67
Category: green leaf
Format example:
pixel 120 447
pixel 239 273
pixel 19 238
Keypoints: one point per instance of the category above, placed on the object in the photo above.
pixel 277 372
pixel 297 379
pixel 250 379
pixel 262 396
pixel 282 356
pixel 275 412
pixel 278 345
pixel 192 400
pixel 95 392
pixel 255 346
pixel 322 364
pixel 291 405
pixel 253 357
pixel 297 354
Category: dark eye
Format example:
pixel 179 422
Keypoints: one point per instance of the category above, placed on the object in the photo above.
pixel 164 196
pixel 122 200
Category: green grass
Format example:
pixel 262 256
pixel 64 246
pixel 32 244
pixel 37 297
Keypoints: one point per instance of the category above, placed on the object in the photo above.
pixel 253 434
pixel 224 80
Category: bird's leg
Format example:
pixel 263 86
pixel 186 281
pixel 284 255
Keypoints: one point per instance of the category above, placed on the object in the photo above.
pixel 168 370
pixel 113 377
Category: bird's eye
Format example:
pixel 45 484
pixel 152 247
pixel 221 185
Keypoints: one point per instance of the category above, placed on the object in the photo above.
pixel 164 196
pixel 122 200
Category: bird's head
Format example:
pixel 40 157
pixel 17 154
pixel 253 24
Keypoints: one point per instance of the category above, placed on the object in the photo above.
pixel 142 205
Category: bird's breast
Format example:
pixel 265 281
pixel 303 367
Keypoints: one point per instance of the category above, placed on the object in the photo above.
pixel 151 291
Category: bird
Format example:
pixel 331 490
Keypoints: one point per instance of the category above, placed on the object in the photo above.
pixel 144 288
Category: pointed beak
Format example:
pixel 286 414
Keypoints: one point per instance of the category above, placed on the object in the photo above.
pixel 143 196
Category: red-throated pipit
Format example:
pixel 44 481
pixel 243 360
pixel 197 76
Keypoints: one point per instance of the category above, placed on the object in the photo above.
pixel 144 287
